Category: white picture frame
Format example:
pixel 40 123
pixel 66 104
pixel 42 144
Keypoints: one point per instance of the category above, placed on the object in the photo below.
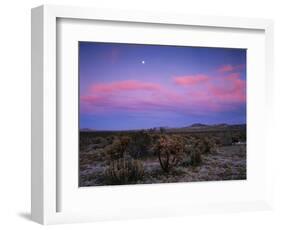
pixel 46 181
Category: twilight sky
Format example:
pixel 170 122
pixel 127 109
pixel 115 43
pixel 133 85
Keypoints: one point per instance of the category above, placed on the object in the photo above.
pixel 128 86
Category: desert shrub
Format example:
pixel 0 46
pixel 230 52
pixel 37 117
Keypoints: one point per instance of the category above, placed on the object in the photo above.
pixel 98 154
pixel 140 144
pixel 98 140
pixel 170 151
pixel 101 144
pixel 117 149
pixel 239 137
pixel 226 138
pixel 217 141
pixel 195 146
pixel 195 156
pixel 162 130
pixel 84 142
pixel 207 145
pixel 88 142
pixel 124 171
pixel 242 136
pixel 192 152
pixel 110 139
pixel 235 139
pixel 203 145
pixel 154 137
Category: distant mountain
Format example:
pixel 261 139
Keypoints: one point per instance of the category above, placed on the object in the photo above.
pixel 87 130
pixel 198 125
pixel 221 125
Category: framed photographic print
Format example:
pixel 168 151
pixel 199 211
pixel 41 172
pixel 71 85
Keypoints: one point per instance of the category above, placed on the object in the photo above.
pixel 141 114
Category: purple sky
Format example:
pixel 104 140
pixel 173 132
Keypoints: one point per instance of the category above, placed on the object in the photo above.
pixel 129 86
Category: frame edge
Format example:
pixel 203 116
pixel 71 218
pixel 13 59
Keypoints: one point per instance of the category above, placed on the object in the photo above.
pixel 37 162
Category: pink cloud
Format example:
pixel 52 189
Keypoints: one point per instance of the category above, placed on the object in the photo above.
pixel 230 68
pixel 217 93
pixel 127 85
pixel 225 68
pixel 190 94
pixel 191 79
pixel 130 95
pixel 229 89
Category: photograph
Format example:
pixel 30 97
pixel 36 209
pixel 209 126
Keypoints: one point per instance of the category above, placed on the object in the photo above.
pixel 151 114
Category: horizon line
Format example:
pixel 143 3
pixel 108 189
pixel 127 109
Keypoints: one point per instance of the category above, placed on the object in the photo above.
pixel 165 127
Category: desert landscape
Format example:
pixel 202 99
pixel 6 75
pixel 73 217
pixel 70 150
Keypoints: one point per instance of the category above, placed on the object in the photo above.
pixel 163 155
pixel 153 114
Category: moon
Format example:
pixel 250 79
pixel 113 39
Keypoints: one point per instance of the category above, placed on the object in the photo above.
pixel 143 62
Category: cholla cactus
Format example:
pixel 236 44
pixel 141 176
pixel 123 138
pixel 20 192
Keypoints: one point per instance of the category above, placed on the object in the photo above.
pixel 207 145
pixel 117 149
pixel 201 146
pixel 195 154
pixel 193 149
pixel 170 151
pixel 124 171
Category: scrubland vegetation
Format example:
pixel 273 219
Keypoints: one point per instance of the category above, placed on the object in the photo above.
pixel 162 156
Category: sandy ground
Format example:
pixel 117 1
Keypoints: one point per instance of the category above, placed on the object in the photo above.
pixel 229 163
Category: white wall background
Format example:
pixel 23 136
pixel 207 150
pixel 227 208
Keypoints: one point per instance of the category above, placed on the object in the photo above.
pixel 15 112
